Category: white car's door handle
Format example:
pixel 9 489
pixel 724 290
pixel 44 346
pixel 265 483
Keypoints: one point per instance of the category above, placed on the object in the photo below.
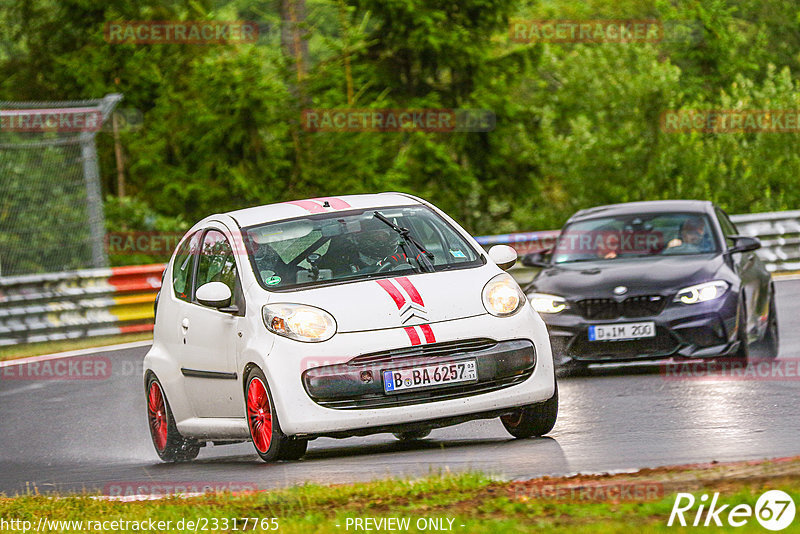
pixel 185 323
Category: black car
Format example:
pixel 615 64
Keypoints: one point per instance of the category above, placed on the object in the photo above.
pixel 653 281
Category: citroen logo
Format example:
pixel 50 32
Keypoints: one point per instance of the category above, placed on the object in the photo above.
pixel 620 290
pixel 412 311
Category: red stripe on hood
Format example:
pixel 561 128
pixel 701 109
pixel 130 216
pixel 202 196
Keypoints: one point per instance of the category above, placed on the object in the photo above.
pixel 412 335
pixel 426 329
pixel 393 292
pixel 406 284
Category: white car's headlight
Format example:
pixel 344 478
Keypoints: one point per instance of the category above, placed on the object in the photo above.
pixel 299 322
pixel 544 303
pixel 702 292
pixel 502 296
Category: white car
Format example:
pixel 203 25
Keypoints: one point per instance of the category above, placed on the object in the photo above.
pixel 340 317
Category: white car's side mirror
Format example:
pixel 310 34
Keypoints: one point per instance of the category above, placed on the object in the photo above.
pixel 504 256
pixel 214 295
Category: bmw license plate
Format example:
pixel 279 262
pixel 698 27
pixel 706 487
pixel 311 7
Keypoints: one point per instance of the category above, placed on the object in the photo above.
pixel 622 331
pixel 399 380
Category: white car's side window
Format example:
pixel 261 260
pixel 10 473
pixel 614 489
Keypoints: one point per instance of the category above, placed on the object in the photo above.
pixel 216 262
pixel 184 266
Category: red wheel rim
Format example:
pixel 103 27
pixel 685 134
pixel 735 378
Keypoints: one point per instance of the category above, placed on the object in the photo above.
pixel 157 414
pixel 259 415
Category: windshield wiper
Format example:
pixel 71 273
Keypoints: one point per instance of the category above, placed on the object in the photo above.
pixel 423 257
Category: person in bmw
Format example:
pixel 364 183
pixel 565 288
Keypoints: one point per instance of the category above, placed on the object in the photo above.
pixel 649 281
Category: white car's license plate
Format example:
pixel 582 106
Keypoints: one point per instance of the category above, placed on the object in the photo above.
pixel 622 331
pixel 430 375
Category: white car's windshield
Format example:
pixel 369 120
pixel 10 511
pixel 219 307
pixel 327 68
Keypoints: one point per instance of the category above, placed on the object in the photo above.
pixel 335 247
pixel 627 236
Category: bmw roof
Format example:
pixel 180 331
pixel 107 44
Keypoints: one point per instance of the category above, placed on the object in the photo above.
pixel 651 206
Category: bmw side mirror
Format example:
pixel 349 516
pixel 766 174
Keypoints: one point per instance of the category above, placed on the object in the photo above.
pixel 504 256
pixel 744 244
pixel 537 259
pixel 214 295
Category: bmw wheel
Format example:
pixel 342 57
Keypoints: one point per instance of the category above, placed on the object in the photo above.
pixel 742 354
pixel 769 345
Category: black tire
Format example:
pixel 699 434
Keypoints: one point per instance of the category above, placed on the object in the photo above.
pixel 265 431
pixel 534 419
pixel 742 354
pixel 412 435
pixel 572 368
pixel 168 442
pixel 293 449
pixel 769 345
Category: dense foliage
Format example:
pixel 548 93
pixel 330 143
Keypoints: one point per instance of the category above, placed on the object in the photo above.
pixel 577 123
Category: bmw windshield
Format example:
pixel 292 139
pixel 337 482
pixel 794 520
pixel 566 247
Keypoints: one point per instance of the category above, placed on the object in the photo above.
pixel 337 247
pixel 631 236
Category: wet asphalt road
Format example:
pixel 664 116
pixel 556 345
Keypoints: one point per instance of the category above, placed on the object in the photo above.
pixel 92 435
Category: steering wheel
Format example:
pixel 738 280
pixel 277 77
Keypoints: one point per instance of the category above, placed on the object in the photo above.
pixel 385 267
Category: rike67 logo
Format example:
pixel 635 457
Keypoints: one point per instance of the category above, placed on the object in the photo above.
pixel 774 510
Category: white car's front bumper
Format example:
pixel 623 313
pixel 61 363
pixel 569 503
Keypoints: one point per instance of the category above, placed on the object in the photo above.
pixel 298 414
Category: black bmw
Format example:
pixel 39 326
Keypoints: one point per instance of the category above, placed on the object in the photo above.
pixel 653 281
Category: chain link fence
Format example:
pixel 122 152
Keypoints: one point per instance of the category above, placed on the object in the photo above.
pixel 51 211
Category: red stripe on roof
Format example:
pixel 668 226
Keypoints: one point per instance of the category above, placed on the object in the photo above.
pixel 398 298
pixel 406 284
pixel 336 203
pixel 308 205
pixel 412 335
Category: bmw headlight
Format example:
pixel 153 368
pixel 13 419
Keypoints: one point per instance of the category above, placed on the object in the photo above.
pixel 299 322
pixel 544 303
pixel 502 296
pixel 702 292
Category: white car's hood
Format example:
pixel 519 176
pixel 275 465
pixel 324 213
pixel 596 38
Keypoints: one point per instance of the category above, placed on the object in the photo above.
pixel 414 299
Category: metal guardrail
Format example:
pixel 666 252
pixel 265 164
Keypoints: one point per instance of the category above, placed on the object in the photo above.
pixel 120 300
pixel 779 233
pixel 94 302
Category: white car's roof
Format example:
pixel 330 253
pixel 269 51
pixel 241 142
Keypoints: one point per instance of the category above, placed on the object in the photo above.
pixel 297 208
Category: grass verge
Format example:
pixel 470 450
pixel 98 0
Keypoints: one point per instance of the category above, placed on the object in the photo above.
pixel 51 347
pixel 466 503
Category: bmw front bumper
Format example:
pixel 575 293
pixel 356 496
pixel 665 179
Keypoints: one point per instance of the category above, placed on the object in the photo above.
pixel 691 331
